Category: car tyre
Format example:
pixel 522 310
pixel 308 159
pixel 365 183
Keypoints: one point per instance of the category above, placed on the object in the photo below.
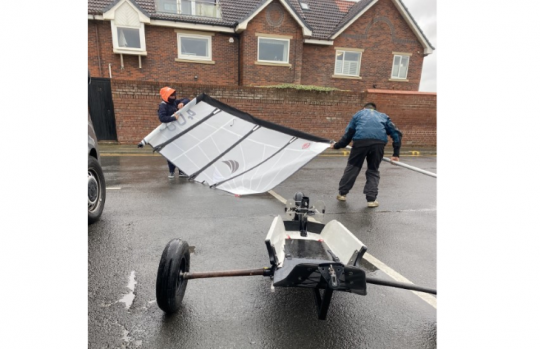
pixel 170 285
pixel 96 190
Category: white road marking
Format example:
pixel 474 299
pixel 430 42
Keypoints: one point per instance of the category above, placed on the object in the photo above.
pixel 113 188
pixel 128 298
pixel 400 278
pixel 429 299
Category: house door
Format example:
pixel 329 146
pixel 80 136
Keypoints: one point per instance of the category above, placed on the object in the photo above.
pixel 101 108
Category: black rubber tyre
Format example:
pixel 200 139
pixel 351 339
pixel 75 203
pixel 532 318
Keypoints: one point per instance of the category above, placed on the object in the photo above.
pixel 170 286
pixel 96 190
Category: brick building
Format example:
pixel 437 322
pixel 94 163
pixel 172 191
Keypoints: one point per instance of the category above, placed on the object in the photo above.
pixel 332 43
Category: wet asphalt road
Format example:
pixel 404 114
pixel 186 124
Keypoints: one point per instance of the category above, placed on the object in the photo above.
pixel 144 210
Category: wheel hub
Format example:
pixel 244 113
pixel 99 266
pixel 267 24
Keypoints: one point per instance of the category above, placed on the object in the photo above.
pixel 93 189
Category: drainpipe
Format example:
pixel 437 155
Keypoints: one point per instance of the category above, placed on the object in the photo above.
pixel 238 60
pixel 99 50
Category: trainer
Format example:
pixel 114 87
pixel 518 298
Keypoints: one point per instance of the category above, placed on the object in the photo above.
pixel 368 129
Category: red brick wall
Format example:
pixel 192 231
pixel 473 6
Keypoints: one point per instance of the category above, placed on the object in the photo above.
pixel 414 113
pixel 160 64
pixel 274 20
pixel 379 32
pixel 324 114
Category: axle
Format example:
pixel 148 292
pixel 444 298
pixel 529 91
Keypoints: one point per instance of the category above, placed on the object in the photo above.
pixel 266 271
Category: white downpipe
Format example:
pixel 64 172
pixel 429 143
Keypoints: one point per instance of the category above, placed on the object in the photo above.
pixel 121 61
pixel 406 166
pixel 110 71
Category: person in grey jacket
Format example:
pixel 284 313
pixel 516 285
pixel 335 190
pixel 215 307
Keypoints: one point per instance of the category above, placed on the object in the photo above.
pixel 369 130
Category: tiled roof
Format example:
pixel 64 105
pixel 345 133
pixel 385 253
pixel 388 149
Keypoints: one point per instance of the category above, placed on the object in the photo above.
pixel 231 11
pixel 353 11
pixel 324 17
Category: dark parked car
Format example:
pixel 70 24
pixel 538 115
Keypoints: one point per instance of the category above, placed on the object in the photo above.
pixel 96 180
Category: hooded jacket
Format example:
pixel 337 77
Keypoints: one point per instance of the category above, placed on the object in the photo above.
pixel 369 126
pixel 167 109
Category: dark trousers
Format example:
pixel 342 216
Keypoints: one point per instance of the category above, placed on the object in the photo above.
pixel 171 166
pixel 374 154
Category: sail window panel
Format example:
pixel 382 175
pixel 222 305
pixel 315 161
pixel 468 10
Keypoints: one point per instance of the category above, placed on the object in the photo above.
pixel 191 113
pixel 204 143
pixel 276 169
pixel 253 150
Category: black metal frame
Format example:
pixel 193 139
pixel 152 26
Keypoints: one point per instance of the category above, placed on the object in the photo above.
pixel 323 304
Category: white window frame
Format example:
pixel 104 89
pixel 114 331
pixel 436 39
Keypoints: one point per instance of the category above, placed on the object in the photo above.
pixel 194 36
pixel 277 39
pixel 344 50
pixel 128 50
pixel 400 55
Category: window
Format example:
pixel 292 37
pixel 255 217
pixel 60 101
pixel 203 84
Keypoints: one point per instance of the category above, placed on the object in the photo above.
pixel 273 50
pixel 203 8
pixel 128 31
pixel 168 6
pixel 348 63
pixel 129 37
pixel 194 47
pixel 400 67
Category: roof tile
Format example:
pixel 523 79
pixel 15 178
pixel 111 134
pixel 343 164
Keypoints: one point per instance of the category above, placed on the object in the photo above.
pixel 324 17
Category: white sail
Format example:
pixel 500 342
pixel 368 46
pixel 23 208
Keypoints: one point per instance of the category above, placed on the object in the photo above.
pixel 228 149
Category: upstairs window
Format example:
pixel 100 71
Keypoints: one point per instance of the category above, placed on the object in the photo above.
pixel 195 47
pixel 203 8
pixel 348 63
pixel 128 37
pixel 273 50
pixel 127 31
pixel 400 66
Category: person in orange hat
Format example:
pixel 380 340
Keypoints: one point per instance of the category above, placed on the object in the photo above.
pixel 168 106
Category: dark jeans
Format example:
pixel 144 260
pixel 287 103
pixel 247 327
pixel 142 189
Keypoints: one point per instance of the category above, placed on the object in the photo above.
pixel 374 154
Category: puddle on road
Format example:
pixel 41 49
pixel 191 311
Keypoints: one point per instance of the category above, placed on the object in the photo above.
pixel 130 297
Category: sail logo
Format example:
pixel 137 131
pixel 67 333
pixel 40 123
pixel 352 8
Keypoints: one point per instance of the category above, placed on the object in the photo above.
pixel 306 145
pixel 232 164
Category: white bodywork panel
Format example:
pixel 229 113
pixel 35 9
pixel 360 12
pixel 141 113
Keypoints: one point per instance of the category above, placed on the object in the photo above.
pixel 230 150
pixel 338 238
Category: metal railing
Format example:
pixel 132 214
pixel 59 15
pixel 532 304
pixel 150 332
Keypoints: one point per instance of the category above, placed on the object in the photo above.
pixel 199 8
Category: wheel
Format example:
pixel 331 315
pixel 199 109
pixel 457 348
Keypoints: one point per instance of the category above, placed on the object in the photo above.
pixel 170 285
pixel 96 190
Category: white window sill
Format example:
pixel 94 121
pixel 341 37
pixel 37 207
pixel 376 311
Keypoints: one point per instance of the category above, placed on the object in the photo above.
pixel 130 52
pixel 399 80
pixel 194 61
pixel 274 64
pixel 346 77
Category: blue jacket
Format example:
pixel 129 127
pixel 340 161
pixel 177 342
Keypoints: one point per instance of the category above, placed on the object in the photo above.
pixel 370 125
pixel 166 109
